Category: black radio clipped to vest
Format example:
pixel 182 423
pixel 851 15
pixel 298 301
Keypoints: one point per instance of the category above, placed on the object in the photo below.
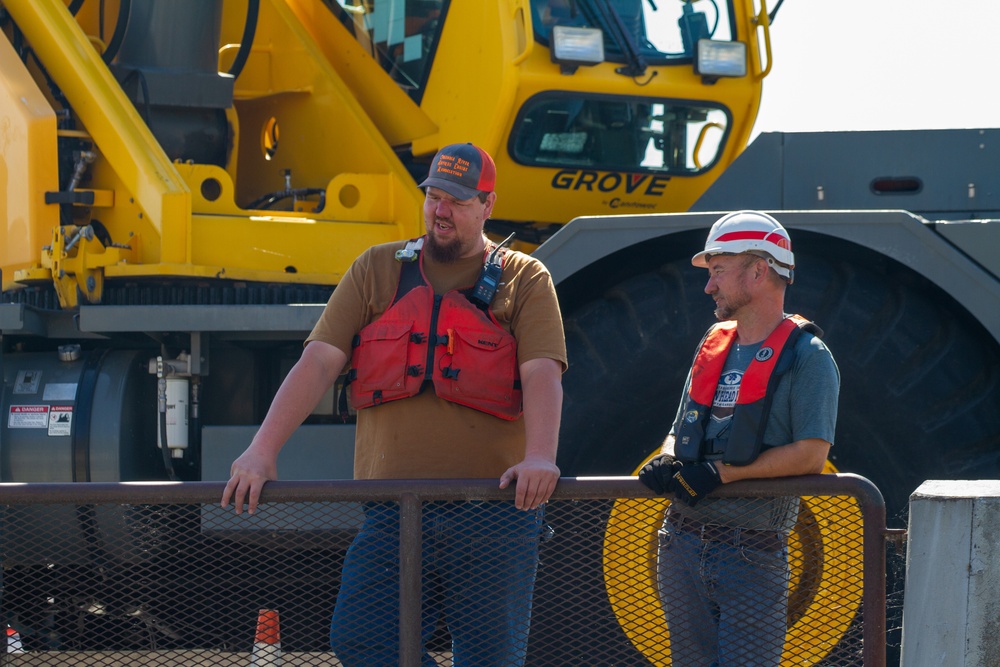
pixel 489 277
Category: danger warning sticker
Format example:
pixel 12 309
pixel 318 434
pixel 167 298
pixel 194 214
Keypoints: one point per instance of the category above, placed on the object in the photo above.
pixel 28 416
pixel 60 420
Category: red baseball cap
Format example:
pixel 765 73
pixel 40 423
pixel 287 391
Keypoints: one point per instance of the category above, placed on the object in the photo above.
pixel 462 170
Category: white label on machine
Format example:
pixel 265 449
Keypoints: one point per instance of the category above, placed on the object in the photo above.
pixel 27 382
pixel 60 419
pixel 59 391
pixel 28 416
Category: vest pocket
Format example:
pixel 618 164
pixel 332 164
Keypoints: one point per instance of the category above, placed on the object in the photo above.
pixel 483 370
pixel 381 358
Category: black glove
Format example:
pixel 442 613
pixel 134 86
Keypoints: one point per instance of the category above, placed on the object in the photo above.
pixel 658 473
pixel 693 482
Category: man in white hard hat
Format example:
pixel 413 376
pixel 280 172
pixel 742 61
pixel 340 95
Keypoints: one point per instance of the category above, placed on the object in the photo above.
pixel 760 401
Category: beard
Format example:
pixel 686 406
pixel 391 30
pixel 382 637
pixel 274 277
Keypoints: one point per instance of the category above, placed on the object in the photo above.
pixel 731 305
pixel 445 253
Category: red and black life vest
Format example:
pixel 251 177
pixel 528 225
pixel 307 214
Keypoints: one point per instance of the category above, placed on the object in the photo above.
pixel 753 402
pixel 443 339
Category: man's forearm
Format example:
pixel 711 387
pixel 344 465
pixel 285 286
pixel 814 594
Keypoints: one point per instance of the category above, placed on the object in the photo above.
pixel 298 395
pixel 802 457
pixel 542 390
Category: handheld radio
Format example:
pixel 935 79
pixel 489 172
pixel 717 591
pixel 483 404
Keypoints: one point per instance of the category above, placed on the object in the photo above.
pixel 489 277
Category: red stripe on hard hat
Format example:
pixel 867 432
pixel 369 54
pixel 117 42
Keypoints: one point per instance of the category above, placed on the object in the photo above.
pixel 771 237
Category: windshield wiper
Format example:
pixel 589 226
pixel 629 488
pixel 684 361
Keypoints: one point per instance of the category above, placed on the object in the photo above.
pixel 636 64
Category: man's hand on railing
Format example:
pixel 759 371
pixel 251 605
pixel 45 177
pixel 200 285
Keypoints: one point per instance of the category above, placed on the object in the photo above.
pixel 535 478
pixel 693 482
pixel 658 474
pixel 247 477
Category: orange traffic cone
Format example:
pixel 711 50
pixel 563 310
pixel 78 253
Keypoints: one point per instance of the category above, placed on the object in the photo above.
pixel 267 642
pixel 14 641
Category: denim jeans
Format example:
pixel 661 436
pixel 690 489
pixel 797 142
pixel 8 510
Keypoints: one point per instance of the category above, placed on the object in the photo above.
pixel 725 602
pixel 479 565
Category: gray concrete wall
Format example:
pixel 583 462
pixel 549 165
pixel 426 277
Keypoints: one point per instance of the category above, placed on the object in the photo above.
pixel 951 611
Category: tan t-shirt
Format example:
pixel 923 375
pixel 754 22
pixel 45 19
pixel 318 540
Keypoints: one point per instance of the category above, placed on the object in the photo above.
pixel 425 436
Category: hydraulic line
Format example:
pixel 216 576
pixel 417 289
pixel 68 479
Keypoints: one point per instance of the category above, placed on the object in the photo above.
pixel 246 42
pixel 118 36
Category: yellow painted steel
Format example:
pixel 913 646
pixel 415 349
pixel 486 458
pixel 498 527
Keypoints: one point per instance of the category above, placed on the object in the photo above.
pixel 397 117
pixel 28 159
pixel 324 129
pixel 79 275
pixel 110 119
pixel 472 92
pixel 821 609
pixel 764 22
pixel 293 114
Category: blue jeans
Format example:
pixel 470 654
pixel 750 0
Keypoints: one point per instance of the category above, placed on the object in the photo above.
pixel 479 564
pixel 725 602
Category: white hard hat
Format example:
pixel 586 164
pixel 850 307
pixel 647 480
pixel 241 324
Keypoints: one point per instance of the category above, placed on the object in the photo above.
pixel 750 232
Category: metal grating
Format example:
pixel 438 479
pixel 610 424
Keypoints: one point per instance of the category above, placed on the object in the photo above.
pixel 117 574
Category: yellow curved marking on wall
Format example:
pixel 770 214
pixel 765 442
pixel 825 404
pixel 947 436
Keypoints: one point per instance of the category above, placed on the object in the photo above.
pixel 821 608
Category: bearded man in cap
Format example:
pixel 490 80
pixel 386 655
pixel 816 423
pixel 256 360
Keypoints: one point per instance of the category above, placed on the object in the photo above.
pixel 760 401
pixel 454 351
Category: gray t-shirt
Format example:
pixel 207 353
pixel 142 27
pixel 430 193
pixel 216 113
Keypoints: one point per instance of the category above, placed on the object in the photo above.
pixel 804 406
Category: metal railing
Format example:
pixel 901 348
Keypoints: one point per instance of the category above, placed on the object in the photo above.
pixel 160 574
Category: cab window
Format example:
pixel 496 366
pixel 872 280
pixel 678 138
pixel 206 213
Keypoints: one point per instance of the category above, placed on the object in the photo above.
pixel 619 134
pixel 400 34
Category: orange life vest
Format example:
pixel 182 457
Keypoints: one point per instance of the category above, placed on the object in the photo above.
pixel 753 402
pixel 444 339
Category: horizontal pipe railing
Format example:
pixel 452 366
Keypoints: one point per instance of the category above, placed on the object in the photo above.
pixel 568 488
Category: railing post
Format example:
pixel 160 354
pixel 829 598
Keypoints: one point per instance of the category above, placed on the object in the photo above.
pixel 410 538
pixel 873 597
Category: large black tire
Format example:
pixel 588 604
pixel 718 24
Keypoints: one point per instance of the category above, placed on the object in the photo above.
pixel 920 378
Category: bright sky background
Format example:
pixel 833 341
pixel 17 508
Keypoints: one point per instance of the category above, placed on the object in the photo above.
pixel 882 64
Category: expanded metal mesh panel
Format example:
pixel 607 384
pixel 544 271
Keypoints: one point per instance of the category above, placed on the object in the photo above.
pixel 113 580
pixel 590 582
pixel 690 592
